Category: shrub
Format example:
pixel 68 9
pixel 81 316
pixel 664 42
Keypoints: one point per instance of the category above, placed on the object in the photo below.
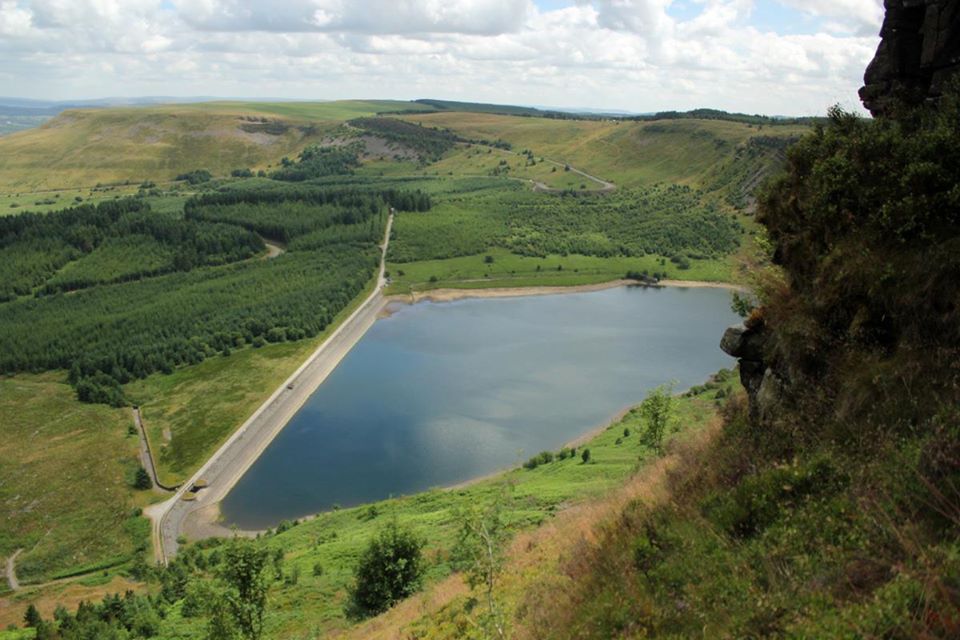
pixel 196 176
pixel 141 480
pixel 390 569
pixel 544 457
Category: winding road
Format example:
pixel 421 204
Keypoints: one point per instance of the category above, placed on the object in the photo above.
pixel 222 471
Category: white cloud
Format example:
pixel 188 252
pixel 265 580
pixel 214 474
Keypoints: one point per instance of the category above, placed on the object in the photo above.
pixel 617 54
pixel 648 17
pixel 861 16
pixel 369 16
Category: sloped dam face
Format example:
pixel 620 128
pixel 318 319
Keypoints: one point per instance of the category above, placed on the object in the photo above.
pixel 439 393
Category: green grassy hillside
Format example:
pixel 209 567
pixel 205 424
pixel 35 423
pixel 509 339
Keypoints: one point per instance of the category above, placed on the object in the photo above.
pixel 627 153
pixel 67 499
pixel 87 147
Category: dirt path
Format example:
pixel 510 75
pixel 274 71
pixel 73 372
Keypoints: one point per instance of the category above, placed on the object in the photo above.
pixel 605 185
pixel 12 570
pixel 146 455
pixel 274 249
pixel 222 471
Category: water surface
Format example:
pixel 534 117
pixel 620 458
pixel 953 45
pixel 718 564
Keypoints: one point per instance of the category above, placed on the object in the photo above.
pixel 439 393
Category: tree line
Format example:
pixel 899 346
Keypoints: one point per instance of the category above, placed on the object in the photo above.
pixel 671 221
pixel 34 247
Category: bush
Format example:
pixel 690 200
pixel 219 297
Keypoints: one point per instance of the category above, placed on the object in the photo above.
pixel 544 457
pixel 142 480
pixel 197 176
pixel 390 569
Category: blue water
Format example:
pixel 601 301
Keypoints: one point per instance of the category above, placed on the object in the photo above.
pixel 439 393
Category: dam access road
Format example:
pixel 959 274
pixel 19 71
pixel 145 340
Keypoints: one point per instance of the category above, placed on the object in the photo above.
pixel 222 471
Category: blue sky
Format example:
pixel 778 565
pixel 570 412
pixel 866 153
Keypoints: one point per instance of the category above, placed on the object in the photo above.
pixel 790 57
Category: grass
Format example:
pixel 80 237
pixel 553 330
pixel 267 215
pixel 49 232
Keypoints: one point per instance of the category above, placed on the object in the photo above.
pixel 54 199
pixel 68 594
pixel 191 412
pixel 318 111
pixel 510 270
pixel 113 146
pixel 626 153
pixel 334 540
pixel 82 148
pixel 84 517
pixel 474 160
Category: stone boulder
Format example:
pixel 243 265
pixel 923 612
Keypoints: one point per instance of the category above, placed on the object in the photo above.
pixel 919 52
pixel 742 342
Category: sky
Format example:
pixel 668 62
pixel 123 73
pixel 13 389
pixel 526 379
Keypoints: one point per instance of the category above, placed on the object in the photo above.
pixel 776 57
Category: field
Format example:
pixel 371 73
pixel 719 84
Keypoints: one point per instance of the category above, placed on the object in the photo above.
pixel 52 200
pixel 65 480
pixel 510 270
pixel 116 146
pixel 626 153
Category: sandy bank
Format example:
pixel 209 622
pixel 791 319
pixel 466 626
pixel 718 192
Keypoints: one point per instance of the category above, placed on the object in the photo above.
pixel 449 295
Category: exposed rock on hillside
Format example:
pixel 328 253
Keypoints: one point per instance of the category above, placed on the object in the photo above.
pixel 919 53
pixel 747 342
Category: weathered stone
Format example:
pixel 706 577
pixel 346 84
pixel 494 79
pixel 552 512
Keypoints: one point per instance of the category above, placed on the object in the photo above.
pixel 741 342
pixel 751 376
pixel 732 339
pixel 919 52
pixel 766 402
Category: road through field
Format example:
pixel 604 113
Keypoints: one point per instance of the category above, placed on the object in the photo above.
pixel 12 570
pixel 222 471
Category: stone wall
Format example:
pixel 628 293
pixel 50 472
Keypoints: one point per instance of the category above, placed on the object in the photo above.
pixel 918 53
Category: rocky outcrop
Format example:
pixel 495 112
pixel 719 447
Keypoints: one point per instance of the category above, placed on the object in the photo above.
pixel 747 344
pixel 919 52
pixel 765 388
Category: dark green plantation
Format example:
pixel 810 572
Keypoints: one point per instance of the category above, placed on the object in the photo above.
pixel 670 221
pixel 169 291
pixel 111 242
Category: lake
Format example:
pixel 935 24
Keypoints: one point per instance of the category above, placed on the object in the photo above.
pixel 439 393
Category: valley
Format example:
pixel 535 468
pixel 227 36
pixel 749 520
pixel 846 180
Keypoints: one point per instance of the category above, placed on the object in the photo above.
pixel 287 366
pixel 478 215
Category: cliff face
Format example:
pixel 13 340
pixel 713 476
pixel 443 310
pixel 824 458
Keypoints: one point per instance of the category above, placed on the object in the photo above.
pixel 919 53
pixel 918 56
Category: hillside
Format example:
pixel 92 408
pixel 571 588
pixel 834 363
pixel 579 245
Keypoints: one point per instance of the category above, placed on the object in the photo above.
pixel 195 298
pixel 116 145
pixel 627 153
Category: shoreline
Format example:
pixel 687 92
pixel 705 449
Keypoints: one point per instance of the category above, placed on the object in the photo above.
pixel 207 521
pixel 450 294
pixel 202 518
pixel 579 441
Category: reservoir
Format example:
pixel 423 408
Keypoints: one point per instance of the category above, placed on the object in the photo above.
pixel 439 393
